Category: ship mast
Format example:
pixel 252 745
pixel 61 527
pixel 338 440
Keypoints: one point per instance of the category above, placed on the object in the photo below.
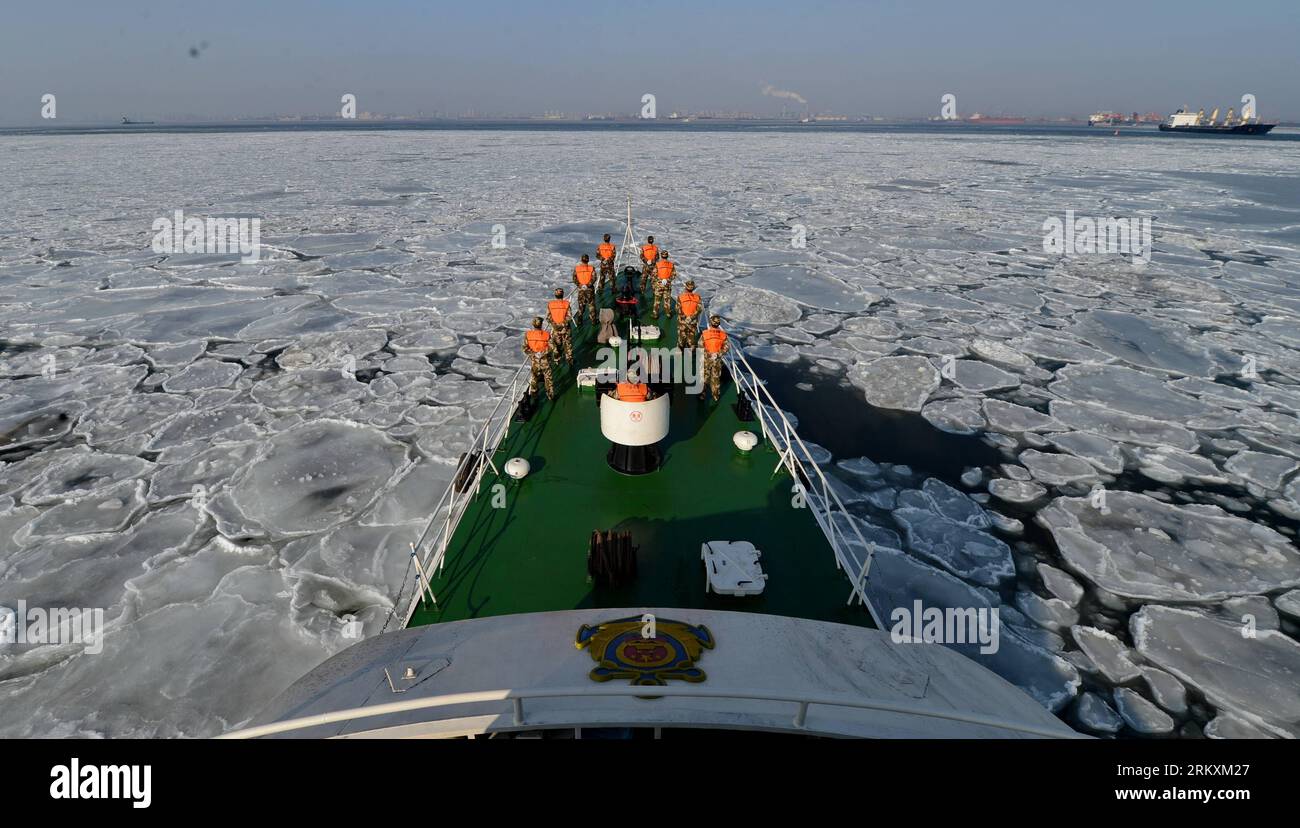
pixel 629 238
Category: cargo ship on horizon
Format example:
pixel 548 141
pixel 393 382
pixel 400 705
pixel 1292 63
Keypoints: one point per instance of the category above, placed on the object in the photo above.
pixel 1184 121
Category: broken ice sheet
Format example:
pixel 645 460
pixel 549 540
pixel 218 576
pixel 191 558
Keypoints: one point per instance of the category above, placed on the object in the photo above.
pixel 940 255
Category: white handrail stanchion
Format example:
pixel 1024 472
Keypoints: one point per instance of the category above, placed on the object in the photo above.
pixel 419 573
pixel 785 439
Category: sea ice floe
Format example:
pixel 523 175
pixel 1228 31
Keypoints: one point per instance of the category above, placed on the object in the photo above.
pixel 932 299
pixel 1253 609
pixel 308 390
pixel 81 474
pixel 38 426
pixel 1267 470
pixel 904 382
pixel 193 577
pixel 1016 419
pixel 1253 678
pixel 1146 343
pixel 92 570
pixel 424 342
pixel 1060 584
pixel 1093 713
pixel 1172 466
pixel 189 426
pixel 201 375
pixel 1058 348
pixel 974 375
pixel 331 350
pixel 809 287
pixel 1097 450
pixel 316 476
pixel 200 475
pixel 461 392
pixel 1107 653
pixel 1000 353
pixel 1123 428
pixel 1219 393
pixel 1227 726
pixel 1058 469
pixel 960 548
pixel 1128 391
pixel 1138 547
pixel 1048 613
pixel 1140 714
pixel 1166 690
pixel 1288 603
pixel 107 509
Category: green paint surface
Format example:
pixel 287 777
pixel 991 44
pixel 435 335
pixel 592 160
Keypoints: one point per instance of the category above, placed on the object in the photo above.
pixel 531 555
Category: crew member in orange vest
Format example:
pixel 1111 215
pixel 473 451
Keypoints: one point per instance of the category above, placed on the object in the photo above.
pixel 714 342
pixel 664 273
pixel 688 323
pixel 539 349
pixel 632 390
pixel 558 311
pixel 605 252
pixel 649 255
pixel 583 276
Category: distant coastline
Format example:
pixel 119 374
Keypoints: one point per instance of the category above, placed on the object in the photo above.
pixel 630 125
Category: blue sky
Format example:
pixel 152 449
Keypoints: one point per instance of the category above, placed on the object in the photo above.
pixel 107 58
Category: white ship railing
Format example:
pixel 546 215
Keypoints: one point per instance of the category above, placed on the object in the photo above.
pixel 798 460
pixel 517 698
pixel 431 547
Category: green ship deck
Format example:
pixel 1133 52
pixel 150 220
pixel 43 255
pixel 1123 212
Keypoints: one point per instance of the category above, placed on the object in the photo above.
pixel 531 554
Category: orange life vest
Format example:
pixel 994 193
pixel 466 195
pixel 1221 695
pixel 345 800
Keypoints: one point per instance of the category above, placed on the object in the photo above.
pixel 605 251
pixel 714 339
pixel 632 391
pixel 582 273
pixel 664 269
pixel 538 341
pixel 649 252
pixel 559 309
pixel 690 303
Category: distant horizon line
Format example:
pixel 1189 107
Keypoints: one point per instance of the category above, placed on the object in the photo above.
pixel 561 117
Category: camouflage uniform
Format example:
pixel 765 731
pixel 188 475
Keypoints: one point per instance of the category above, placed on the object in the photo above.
pixel 713 368
pixel 587 299
pixel 647 273
pixel 541 367
pixel 688 330
pixel 606 274
pixel 664 293
pixel 561 341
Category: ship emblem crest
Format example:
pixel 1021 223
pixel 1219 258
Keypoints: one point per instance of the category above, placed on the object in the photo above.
pixel 647 650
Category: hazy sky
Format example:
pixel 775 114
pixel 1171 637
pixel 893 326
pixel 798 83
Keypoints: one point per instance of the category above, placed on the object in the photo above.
pixel 107 58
